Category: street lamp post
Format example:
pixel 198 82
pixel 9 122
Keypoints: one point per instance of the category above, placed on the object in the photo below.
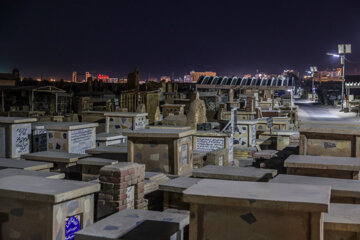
pixel 343 49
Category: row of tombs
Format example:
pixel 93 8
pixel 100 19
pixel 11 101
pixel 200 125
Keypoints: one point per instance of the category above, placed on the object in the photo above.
pixel 252 180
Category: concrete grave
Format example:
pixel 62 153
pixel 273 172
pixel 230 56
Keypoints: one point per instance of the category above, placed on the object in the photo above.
pixel 45 208
pixel 71 137
pixel 174 109
pixel 235 173
pixel 280 123
pixel 7 172
pixel 173 197
pixel 342 222
pixel 245 134
pixel 323 166
pixel 108 139
pixel 122 186
pixel 115 152
pixel 39 136
pixel 167 150
pixel 324 139
pixel 17 135
pixel 124 224
pixel 90 167
pixel 342 190
pixel 251 210
pixel 63 162
pixel 25 165
pixel 116 122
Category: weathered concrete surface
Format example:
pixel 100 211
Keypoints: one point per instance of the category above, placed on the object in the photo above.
pixel 24 164
pixel 234 173
pixel 52 156
pixel 13 171
pixel 118 224
pixel 43 189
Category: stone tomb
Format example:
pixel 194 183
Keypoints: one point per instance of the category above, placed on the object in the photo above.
pixel 342 190
pixel 245 133
pixel 281 139
pixel 108 139
pixel 118 121
pixel 342 222
pixel 174 109
pixel 122 186
pixel 71 137
pixel 63 162
pixel 13 171
pixel 322 166
pixel 17 135
pixel 25 165
pixel 280 123
pixel 173 197
pixel 251 210
pixel 166 150
pixel 115 152
pixel 42 208
pixel 39 136
pixel 235 173
pixel 324 139
pixel 90 167
pixel 129 224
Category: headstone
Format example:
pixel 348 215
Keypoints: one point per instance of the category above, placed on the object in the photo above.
pixel 207 144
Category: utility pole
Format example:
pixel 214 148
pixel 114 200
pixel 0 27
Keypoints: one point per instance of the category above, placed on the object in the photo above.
pixel 343 49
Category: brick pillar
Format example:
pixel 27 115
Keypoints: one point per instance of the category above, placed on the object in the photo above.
pixel 122 186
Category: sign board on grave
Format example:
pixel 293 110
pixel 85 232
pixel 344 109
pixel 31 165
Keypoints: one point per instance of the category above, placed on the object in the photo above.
pixel 184 154
pixel 270 122
pixel 208 144
pixel 81 140
pixel 130 197
pixel 20 139
pixel 72 225
pixel 116 103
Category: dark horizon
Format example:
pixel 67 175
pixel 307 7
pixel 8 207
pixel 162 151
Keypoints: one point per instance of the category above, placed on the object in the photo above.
pixel 54 38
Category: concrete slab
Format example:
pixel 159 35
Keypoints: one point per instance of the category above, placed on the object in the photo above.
pixel 343 217
pixel 159 133
pixel 117 225
pixel 178 184
pixel 124 114
pixel 13 171
pixel 234 173
pixel 43 189
pixel 116 148
pixel 53 156
pixel 339 187
pixel 24 164
pixel 68 126
pixel 108 136
pixel 15 120
pixel 330 129
pixel 96 161
pixel 323 162
pixel 279 196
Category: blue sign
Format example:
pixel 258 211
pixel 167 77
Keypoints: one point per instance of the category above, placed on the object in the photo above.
pixel 72 225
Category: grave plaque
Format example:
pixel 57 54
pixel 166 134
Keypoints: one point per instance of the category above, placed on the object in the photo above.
pixel 207 144
pixel 20 139
pixel 72 225
pixel 130 197
pixel 81 140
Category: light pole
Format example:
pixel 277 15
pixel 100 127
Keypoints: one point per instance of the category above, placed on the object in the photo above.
pixel 313 70
pixel 343 49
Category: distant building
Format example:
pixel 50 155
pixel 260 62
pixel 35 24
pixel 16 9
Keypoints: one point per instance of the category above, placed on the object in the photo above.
pixel 328 75
pixel 165 78
pixel 9 79
pixel 74 77
pixel 195 75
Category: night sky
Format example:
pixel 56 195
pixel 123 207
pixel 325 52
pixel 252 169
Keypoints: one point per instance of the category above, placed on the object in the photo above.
pixel 54 38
